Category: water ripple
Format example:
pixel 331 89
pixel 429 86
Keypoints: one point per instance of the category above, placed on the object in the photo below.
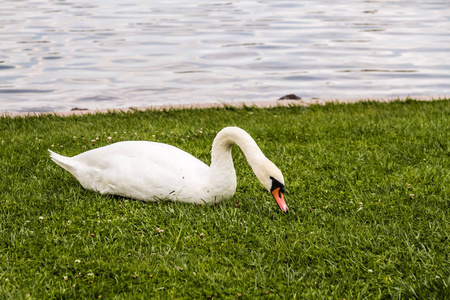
pixel 56 55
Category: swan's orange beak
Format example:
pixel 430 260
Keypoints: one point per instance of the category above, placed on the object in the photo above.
pixel 279 197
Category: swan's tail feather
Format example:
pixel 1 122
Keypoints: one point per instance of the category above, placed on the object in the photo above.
pixel 62 161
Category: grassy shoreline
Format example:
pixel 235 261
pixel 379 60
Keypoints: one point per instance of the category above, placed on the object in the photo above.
pixel 219 105
pixel 367 187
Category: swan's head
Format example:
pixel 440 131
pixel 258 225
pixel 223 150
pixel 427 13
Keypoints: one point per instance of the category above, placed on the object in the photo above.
pixel 272 179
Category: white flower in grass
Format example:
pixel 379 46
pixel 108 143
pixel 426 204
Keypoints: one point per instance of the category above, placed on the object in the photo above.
pixel 77 260
pixel 65 278
pixel 370 271
pixel 109 139
pixel 360 206
pixel 90 274
pixel 69 222
pixel 41 218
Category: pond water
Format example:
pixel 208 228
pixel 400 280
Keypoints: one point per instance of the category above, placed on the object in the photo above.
pixel 59 54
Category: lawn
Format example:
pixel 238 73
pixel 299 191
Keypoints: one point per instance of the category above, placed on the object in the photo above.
pixel 367 186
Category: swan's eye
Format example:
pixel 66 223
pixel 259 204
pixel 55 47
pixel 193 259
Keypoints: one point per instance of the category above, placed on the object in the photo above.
pixel 276 184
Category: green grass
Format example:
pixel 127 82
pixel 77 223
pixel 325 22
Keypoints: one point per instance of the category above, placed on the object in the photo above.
pixel 367 186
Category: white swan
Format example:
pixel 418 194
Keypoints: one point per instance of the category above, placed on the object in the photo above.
pixel 151 171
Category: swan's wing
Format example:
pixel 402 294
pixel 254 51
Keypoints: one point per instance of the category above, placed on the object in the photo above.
pixel 141 170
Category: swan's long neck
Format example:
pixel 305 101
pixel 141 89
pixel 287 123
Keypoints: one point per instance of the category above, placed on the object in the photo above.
pixel 222 168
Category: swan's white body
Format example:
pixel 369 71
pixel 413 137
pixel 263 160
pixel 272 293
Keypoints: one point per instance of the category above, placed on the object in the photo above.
pixel 152 171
